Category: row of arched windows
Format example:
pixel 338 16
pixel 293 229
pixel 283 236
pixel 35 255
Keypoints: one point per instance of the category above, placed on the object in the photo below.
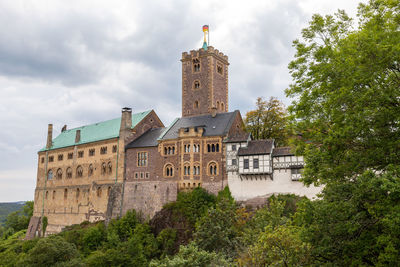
pixel 106 168
pixel 77 193
pixel 212 169
pixel 187 148
pixel 213 147
pixel 169 150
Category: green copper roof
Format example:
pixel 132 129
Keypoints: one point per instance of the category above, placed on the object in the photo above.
pixel 94 132
pixel 205 46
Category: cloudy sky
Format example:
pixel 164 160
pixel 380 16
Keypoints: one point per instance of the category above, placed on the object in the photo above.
pixel 79 62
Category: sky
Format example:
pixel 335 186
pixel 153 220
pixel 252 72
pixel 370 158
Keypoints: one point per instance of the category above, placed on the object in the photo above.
pixel 79 62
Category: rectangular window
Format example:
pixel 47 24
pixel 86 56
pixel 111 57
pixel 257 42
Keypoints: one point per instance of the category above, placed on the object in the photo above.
pixel 147 175
pixel 103 150
pixel 136 175
pixel 255 163
pixel 70 155
pixel 51 159
pixel 141 175
pixel 80 154
pixel 60 157
pixel 142 159
pixel 114 149
pixel 42 160
pixel 233 147
pixel 234 162
pixel 92 152
pixel 246 163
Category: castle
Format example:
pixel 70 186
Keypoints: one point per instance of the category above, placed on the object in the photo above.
pixel 99 171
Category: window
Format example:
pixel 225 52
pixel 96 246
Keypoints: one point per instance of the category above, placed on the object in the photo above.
pixel 60 157
pixel 98 191
pixel 80 154
pixel 92 152
pixel 255 163
pixel 234 162
pixel 186 170
pixel 90 170
pixel 141 175
pixel 70 155
pixel 136 175
pixel 196 148
pixel 77 193
pixel 246 163
pixel 187 148
pixel 50 175
pixel 168 170
pixel 108 191
pixel 65 193
pixel 54 194
pixel 114 149
pixel 196 170
pixel 212 169
pixel 142 159
pixel 222 106
pixel 109 167
pixel 196 84
pixel 69 172
pixel 47 194
pixel 103 150
pixel 220 68
pixel 103 168
pixel 233 147
pixel 213 147
pixel 147 175
pixel 196 65
pixel 196 104
pixel 59 174
pixel 42 159
pixel 51 159
pixel 79 171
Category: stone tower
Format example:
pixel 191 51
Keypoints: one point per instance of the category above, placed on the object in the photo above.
pixel 204 81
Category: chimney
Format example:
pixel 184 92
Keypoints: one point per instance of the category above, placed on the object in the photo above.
pixel 213 112
pixel 64 128
pixel 78 136
pixel 126 118
pixel 49 136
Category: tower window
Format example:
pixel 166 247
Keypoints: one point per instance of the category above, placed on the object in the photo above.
pixel 196 84
pixel 222 106
pixel 220 68
pixel 196 104
pixel 196 65
pixel 212 169
pixel 169 170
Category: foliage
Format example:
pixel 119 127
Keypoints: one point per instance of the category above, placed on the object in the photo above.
pixel 357 223
pixel 191 255
pixel 7 208
pixel 51 251
pixel 19 220
pixel 45 222
pixel 166 240
pixel 346 84
pixel 124 227
pixel 268 121
pixel 94 237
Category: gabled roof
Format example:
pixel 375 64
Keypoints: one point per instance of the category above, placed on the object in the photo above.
pixel 94 132
pixel 148 139
pixel 283 151
pixel 213 126
pixel 257 147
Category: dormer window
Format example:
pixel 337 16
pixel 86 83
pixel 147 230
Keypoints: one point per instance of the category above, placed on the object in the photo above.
pixel 196 65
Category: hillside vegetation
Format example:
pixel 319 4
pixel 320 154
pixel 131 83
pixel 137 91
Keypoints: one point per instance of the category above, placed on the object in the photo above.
pixel 7 208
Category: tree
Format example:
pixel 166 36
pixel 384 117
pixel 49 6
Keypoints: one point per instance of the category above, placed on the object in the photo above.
pixel 19 220
pixel 346 85
pixel 268 121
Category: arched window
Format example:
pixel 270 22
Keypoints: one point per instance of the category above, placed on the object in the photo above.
pixel 98 192
pixel 196 104
pixel 165 151
pixel 65 193
pixel 54 194
pixel 168 170
pixel 196 170
pixel 108 191
pixel 212 169
pixel 213 147
pixel 103 168
pixel 208 148
pixel 59 173
pixel 217 147
pixel 218 105
pixel 222 106
pixel 77 193
pixel 69 172
pixel 196 65
pixel 79 171
pixel 50 175
pixel 173 150
pixel 47 194
pixel 109 167
pixel 90 170
pixel 196 84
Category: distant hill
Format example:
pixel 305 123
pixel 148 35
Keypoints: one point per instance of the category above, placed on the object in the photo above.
pixel 7 208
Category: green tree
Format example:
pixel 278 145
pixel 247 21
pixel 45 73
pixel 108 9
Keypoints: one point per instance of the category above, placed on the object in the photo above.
pixel 268 121
pixel 191 255
pixel 346 86
pixel 19 220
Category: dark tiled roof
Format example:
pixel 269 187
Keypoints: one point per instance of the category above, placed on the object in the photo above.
pixel 217 126
pixel 148 139
pixel 282 151
pixel 257 147
pixel 243 137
